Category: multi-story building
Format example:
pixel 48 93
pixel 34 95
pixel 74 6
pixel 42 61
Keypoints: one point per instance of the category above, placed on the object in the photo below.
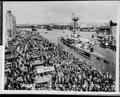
pixel 10 26
pixel 113 29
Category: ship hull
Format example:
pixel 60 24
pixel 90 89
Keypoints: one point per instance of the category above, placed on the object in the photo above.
pixel 94 60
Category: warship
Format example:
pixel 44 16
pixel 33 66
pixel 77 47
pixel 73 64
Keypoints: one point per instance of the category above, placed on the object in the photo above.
pixel 99 50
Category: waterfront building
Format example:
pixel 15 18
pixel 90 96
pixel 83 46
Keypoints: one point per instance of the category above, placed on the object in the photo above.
pixel 113 29
pixel 10 26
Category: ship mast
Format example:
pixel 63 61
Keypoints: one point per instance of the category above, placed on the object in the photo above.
pixel 75 20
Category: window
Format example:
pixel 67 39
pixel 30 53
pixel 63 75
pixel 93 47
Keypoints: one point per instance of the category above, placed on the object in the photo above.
pixel 98 58
pixel 41 74
pixel 106 62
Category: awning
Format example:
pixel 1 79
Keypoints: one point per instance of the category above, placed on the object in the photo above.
pixel 43 79
pixel 45 69
pixel 84 40
pixel 37 62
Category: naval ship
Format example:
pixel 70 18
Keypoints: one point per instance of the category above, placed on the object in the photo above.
pixel 101 58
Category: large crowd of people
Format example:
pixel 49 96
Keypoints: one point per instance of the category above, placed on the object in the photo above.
pixel 71 74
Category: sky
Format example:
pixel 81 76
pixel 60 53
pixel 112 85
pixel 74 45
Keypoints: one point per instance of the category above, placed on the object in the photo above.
pixel 61 11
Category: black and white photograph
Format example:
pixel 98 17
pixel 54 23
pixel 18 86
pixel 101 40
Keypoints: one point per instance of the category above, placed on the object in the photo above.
pixel 60 45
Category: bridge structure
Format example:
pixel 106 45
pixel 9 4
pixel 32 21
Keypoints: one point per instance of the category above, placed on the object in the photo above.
pixel 26 26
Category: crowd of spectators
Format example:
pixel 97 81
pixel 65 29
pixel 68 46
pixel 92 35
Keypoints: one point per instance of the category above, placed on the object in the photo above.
pixel 71 74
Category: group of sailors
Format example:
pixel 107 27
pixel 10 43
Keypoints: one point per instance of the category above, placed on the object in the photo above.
pixel 70 74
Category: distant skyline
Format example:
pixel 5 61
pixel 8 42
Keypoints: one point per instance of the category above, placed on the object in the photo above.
pixel 61 11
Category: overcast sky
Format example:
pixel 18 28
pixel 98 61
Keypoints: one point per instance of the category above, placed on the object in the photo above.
pixel 61 12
